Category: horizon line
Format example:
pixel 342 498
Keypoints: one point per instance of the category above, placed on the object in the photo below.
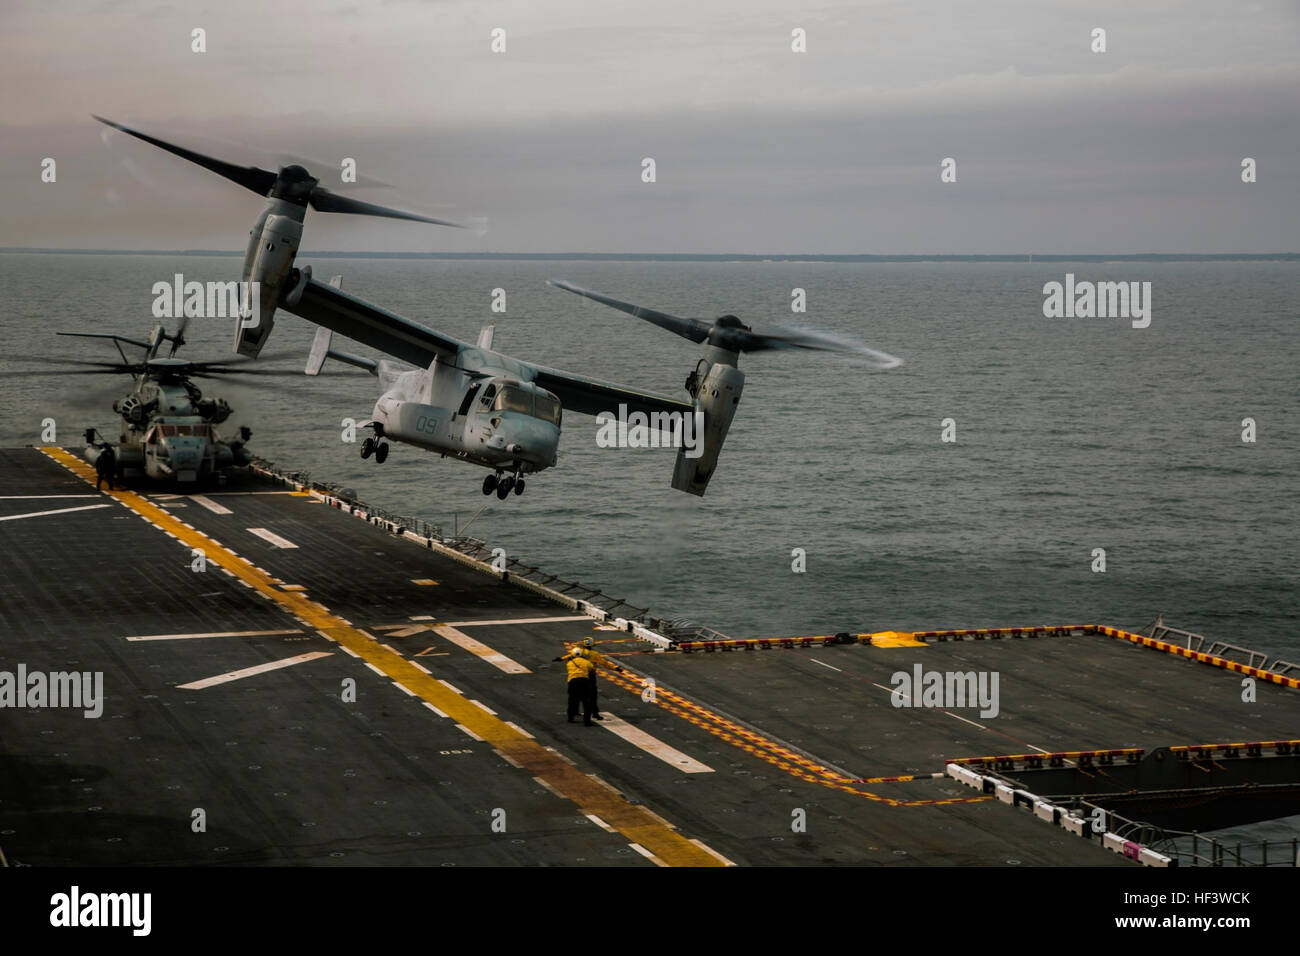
pixel 699 256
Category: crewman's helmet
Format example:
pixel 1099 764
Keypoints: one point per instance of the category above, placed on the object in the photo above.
pixel 588 642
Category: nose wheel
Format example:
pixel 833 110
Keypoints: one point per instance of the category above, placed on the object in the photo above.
pixel 377 448
pixel 503 485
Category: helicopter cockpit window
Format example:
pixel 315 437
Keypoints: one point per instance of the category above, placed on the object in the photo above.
pixel 184 431
pixel 548 409
pixel 488 394
pixel 514 400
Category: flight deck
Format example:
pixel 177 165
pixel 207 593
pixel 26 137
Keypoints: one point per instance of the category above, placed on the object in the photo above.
pixel 290 679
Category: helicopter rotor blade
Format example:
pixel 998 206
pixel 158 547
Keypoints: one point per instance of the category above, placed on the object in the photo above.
pixel 322 200
pixel 784 339
pixel 63 363
pixel 252 178
pixel 693 329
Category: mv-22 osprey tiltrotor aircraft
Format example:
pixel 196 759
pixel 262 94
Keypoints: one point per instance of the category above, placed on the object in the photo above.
pixel 468 401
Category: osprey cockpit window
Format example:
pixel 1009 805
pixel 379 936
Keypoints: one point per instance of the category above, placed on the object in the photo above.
pixel 548 409
pixel 488 394
pixel 514 400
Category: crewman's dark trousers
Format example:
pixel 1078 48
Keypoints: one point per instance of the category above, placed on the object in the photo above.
pixel 580 693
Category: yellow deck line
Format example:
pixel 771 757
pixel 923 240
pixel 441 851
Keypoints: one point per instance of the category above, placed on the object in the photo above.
pixel 634 822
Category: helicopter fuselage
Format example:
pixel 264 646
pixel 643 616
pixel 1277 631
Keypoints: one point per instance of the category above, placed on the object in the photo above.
pixel 168 431
pixel 484 410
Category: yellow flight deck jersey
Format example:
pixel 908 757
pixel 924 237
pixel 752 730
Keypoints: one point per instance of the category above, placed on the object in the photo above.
pixel 577 666
pixel 596 658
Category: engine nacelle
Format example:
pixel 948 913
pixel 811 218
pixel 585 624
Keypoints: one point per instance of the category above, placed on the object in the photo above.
pixel 272 245
pixel 133 410
pixel 717 395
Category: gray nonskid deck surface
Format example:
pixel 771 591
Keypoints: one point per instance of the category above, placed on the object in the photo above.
pixel 287 772
pixel 284 772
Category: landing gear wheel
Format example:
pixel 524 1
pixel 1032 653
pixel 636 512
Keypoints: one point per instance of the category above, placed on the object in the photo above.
pixel 503 491
pixel 367 448
pixel 381 452
pixel 489 484
pixel 519 486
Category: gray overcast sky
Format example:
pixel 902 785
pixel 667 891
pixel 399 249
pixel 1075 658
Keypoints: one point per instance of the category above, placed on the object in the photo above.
pixel 758 149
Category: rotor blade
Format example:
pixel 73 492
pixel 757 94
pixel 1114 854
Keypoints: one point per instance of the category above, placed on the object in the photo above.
pixel 106 335
pixel 322 200
pixel 47 360
pixel 64 371
pixel 258 180
pixel 692 329
pixel 178 339
pixel 806 339
pixel 208 371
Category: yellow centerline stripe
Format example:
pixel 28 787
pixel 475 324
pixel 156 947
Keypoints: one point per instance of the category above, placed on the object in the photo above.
pixel 634 822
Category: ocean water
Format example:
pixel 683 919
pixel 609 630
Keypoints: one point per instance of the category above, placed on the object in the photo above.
pixel 1071 435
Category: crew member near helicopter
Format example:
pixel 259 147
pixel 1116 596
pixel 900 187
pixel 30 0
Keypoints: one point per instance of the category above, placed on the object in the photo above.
pixel 105 466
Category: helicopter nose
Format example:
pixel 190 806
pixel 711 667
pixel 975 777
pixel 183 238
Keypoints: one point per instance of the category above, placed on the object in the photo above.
pixel 532 441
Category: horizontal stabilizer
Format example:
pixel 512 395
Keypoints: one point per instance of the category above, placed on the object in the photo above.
pixel 320 351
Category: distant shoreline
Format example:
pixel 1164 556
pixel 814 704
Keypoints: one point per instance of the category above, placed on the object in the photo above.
pixel 690 257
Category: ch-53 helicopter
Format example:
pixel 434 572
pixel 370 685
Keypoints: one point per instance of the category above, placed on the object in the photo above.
pixel 468 401
pixel 168 428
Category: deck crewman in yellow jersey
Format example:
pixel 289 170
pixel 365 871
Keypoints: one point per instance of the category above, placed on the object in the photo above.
pixel 597 659
pixel 580 672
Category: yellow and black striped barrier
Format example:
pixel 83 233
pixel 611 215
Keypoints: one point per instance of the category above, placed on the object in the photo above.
pixel 762 643
pixel 1200 656
pixel 1084 758
pixel 1254 748
pixel 979 633
pixel 887 639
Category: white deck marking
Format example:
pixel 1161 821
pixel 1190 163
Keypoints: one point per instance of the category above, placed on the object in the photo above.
pixel 647 854
pixel 403 631
pixel 56 511
pixel 511 723
pixel 252 671
pixel 964 720
pixel 273 538
pixel 816 661
pixel 186 637
pixel 223 494
pixel 211 505
pixel 27 497
pixel 653 745
pixel 715 853
pixel 517 620
pixel 481 650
